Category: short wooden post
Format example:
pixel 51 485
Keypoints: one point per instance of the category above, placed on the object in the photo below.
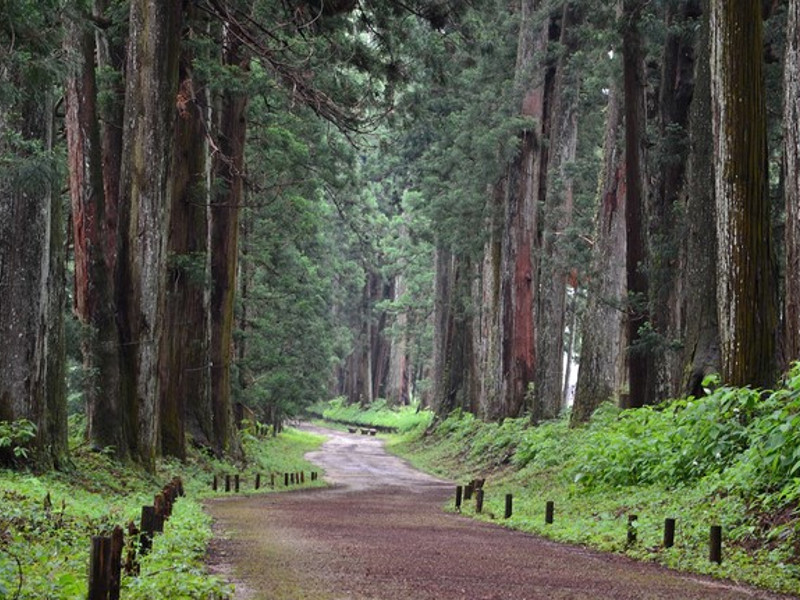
pixel 272 480
pixel 115 563
pixel 478 500
pixel 179 486
pixel 258 480
pixel 236 483
pixel 227 482
pixel 131 565
pixel 99 567
pixel 291 478
pixel 302 477
pixel 459 491
pixel 509 501
pixel 715 544
pixel 669 532
pixel 147 528
pixel 159 504
pixel 632 529
pixel 468 491
pixel 214 483
pixel 286 479
pixel 549 508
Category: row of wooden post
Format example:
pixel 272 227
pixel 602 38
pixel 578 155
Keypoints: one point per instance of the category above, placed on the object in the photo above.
pixel 288 479
pixel 105 560
pixel 476 486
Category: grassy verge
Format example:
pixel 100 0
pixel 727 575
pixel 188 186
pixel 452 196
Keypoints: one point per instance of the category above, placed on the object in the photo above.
pixel 400 418
pixel 728 459
pixel 44 547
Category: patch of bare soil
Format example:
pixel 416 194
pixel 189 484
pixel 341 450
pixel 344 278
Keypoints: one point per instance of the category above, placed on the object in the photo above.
pixel 379 534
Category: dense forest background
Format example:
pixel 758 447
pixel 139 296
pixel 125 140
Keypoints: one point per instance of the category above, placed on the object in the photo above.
pixel 213 211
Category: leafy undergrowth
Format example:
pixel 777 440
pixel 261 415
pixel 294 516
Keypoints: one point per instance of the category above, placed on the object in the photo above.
pixel 731 458
pixel 44 544
pixel 378 414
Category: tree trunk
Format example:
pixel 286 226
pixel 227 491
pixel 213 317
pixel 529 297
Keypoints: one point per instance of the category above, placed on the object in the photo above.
pixel 185 403
pixel 602 368
pixel 225 207
pixel 152 85
pixel 553 265
pixel 94 290
pixel 32 362
pixel 746 290
pixel 791 157
pixel 665 229
pixel 698 268
pixel 640 392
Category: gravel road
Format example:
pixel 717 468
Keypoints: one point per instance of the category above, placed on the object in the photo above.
pixel 379 533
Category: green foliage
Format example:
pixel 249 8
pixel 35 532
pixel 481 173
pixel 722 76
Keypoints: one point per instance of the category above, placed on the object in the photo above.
pixel 403 418
pixel 15 436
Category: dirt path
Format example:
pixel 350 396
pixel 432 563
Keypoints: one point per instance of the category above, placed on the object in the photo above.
pixel 379 534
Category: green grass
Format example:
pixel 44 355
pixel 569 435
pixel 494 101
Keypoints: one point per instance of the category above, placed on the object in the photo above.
pixel 44 549
pixel 378 414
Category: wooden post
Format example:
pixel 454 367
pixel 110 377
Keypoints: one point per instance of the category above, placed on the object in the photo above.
pixel 548 512
pixel 632 529
pixel 159 504
pixel 236 483
pixel 214 484
pixel 115 563
pixel 131 565
pixel 669 532
pixel 302 477
pixel 459 490
pixel 286 479
pixel 99 567
pixel 478 500
pixel 227 483
pixel 258 480
pixel 715 544
pixel 468 491
pixel 147 528
pixel 272 480
pixel 509 500
pixel 291 478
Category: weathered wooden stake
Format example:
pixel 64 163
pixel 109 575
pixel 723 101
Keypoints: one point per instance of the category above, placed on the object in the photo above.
pixel 258 480
pixel 131 565
pixel 236 483
pixel 715 544
pixel 302 477
pixel 147 528
pixel 214 484
pixel 459 491
pixel 509 501
pixel 548 512
pixel 468 491
pixel 227 483
pixel 669 532
pixel 272 480
pixel 632 529
pixel 291 478
pixel 286 479
pixel 115 563
pixel 99 567
pixel 478 500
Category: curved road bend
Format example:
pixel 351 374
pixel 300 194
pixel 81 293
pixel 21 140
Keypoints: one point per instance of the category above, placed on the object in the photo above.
pixel 380 534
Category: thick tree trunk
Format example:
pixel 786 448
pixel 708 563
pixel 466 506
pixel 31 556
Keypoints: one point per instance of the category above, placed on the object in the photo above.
pixel 525 186
pixel 698 268
pixel 225 207
pixel 640 391
pixel 398 376
pixel 453 368
pixel 665 230
pixel 185 402
pixel 791 157
pixel 602 367
pixel 152 85
pixel 553 266
pixel 746 290
pixel 94 291
pixel 32 291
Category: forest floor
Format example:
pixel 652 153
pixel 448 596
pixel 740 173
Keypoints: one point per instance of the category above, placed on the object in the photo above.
pixel 379 533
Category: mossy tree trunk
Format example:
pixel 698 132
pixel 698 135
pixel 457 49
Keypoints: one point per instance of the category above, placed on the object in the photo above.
pixel 791 153
pixel 92 229
pixel 148 139
pixel 746 284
